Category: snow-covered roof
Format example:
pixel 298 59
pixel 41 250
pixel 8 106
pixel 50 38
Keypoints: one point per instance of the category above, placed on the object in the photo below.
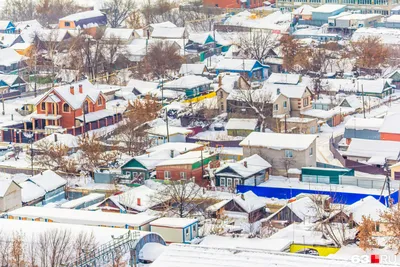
pixel 178 146
pixel 369 148
pixel 48 180
pixel 356 123
pixel 358 17
pixel 165 24
pixel 284 78
pixel 151 251
pixel 4 185
pixel 123 34
pixel 83 15
pixel 21 46
pixel 241 124
pixel 236 64
pixel 9 56
pixel 320 113
pixel 216 241
pixel 247 167
pixel 328 8
pixel 228 80
pixel 288 90
pixel 187 82
pixel 85 199
pixel 298 120
pixel 353 101
pixel 250 202
pixel 393 18
pixel 28 24
pixel 82 217
pixel 303 10
pixel 278 141
pixel 7 39
pixel 305 209
pixel 151 160
pixel 302 233
pixel 169 32
pixel 187 158
pixel 386 35
pixel 172 130
pixel 9 79
pixel 179 255
pixel 274 21
pixel 173 222
pixel 97 115
pixel 391 124
pixel 76 100
pixel 31 191
pixel 368 207
pixel 192 69
pixel 67 140
pixel 142 85
pixel 131 198
pixel 4 24
pixel 48 35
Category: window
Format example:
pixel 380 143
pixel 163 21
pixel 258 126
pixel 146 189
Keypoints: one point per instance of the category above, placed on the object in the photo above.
pixel 66 107
pixel 311 151
pixel 167 175
pixel 285 104
pixel 222 106
pixel 313 130
pixel 236 182
pixel 194 228
pixel 100 101
pixel 377 228
pixel 86 107
pixel 43 106
pixel 229 182
pixel 187 231
pixel 67 24
pixel 182 175
pixel 305 102
pixel 222 182
pixel 276 107
pixel 288 154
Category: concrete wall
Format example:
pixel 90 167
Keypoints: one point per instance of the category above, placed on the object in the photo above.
pixel 281 110
pixel 297 104
pixel 279 162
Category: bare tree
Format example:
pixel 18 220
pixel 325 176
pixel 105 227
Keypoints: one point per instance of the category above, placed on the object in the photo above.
pixel 18 10
pixel 118 11
pixel 290 47
pixel 131 132
pixel 257 45
pixel 369 52
pixel 391 220
pixel 159 11
pixel 258 102
pixel 162 58
pixel 365 234
pixel 50 11
pixel 55 248
pixel 182 199
pixel 53 156
pixel 94 154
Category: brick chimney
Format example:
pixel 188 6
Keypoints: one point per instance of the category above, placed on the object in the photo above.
pixel 245 164
pixel 71 90
pixel 219 81
pixel 138 201
pixel 80 89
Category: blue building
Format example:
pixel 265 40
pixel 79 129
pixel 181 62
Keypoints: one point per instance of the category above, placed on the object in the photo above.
pixel 322 13
pixel 363 129
pixel 249 68
pixel 52 183
pixel 6 26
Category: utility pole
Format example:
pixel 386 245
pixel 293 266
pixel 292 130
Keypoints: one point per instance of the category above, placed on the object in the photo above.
pixel 35 88
pixel 387 182
pixel 285 125
pixel 362 92
pixel 202 165
pixel 162 105
pixel 2 100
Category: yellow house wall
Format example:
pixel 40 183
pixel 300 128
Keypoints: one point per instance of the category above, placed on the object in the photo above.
pixel 323 251
pixel 170 235
pixel 393 170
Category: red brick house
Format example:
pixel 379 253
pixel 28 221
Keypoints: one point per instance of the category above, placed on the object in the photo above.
pixel 234 3
pixel 68 106
pixel 187 166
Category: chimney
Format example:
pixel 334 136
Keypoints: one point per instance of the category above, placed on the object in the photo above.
pixel 219 81
pixel 138 201
pixel 80 89
pixel 245 164
pixel 55 138
pixel 71 90
pixel 172 153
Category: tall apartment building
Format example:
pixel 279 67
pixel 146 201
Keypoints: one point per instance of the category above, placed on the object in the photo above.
pixel 365 6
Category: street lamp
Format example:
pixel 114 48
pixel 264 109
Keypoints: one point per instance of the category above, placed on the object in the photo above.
pixel 30 137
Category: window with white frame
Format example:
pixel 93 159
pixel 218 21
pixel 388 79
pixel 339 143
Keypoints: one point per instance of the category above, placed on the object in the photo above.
pixel 222 182
pixel 288 154
pixel 305 102
pixel 229 182
pixel 285 104
pixel 182 175
pixel 167 175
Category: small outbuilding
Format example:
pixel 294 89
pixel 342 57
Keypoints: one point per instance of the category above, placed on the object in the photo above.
pixel 176 230
pixel 241 127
